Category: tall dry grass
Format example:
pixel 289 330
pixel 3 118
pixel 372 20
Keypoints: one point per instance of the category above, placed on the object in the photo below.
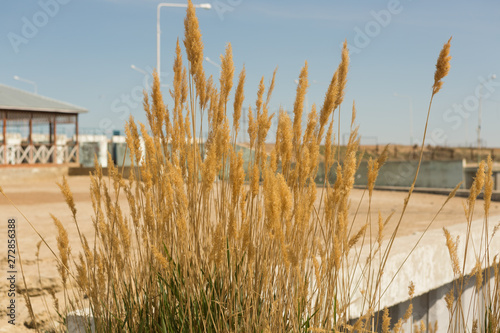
pixel 200 249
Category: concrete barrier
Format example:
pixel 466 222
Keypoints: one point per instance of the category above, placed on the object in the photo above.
pixel 93 145
pixel 435 174
pixel 431 308
pixel 429 268
pixel 80 321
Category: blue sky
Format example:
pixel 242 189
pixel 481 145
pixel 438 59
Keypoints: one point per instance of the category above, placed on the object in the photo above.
pixel 80 51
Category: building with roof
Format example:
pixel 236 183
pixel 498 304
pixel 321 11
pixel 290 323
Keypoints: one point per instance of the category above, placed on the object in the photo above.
pixel 22 111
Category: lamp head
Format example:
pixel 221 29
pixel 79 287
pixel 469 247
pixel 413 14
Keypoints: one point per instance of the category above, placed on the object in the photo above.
pixel 206 6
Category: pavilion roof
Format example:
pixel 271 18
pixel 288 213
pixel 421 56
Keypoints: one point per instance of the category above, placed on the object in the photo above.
pixel 13 99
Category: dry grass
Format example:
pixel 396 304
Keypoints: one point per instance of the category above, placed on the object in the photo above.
pixel 199 255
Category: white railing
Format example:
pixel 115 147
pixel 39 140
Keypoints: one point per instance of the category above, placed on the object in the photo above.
pixel 38 154
pixel 42 154
pixel 20 155
pixel 67 154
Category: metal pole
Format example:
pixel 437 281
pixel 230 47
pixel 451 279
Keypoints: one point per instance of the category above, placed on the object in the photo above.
pixel 31 139
pixel 54 158
pixel 158 32
pixel 4 137
pixel 492 77
pixel 479 125
pixel 411 121
pixel 77 142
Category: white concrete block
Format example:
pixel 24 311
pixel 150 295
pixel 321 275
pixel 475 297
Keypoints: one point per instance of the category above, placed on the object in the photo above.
pixel 80 321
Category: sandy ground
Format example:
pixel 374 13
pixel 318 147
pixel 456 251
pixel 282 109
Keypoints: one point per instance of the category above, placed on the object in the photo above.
pixel 38 199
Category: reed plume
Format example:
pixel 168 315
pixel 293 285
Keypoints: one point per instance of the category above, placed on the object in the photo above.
pixel 238 100
pixel 193 44
pixel 298 106
pixel 452 250
pixel 64 249
pixel 442 67
pixel 328 104
pixel 342 75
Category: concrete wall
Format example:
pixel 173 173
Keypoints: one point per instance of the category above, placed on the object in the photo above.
pixel 93 145
pixel 430 307
pixel 428 266
pixel 470 174
pixel 435 174
pixel 88 150
pixel 120 153
pixel 432 174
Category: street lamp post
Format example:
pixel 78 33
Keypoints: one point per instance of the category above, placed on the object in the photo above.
pixel 137 69
pixel 492 77
pixel 212 62
pixel 411 115
pixel 27 81
pixel 158 31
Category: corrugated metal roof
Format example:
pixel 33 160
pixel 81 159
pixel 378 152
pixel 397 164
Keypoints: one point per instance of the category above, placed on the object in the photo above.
pixel 16 99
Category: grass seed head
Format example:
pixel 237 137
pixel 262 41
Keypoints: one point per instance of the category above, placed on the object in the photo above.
pixel 373 168
pixel 192 40
pixel 380 229
pixel 354 239
pixel 478 272
pixel 252 127
pixel 271 88
pixel 68 196
pixel 238 99
pixel 226 74
pixel 442 67
pixel 452 250
pixel 411 289
pixel 328 104
pixel 298 106
pixel 408 312
pixel 342 75
pixel 386 321
pixel 488 185
pixel 64 249
pixel 474 326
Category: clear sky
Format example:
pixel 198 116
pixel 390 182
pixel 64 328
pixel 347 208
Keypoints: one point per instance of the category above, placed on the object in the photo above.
pixel 81 52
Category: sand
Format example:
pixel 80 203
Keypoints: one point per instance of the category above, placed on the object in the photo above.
pixel 37 199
